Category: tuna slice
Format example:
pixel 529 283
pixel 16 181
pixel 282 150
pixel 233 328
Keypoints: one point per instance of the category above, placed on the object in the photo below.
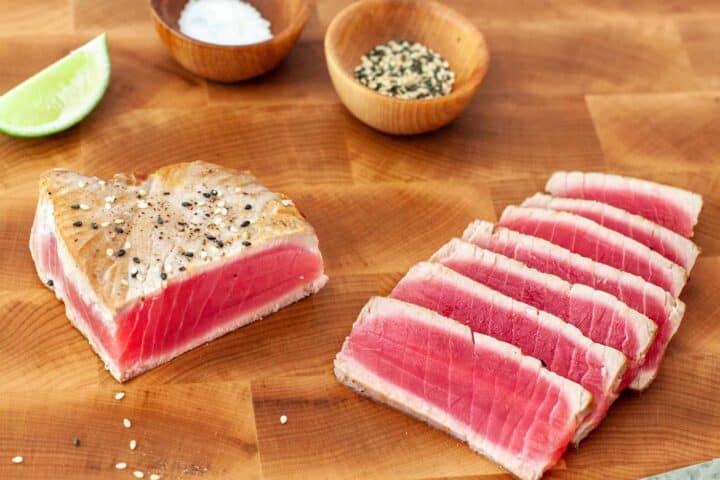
pixel 559 345
pixel 670 207
pixel 667 243
pixel 587 238
pixel 480 390
pixel 150 269
pixel 598 315
pixel 632 290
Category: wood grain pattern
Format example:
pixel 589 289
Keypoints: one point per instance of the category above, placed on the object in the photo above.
pixel 580 84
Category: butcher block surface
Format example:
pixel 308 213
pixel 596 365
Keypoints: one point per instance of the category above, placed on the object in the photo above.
pixel 623 87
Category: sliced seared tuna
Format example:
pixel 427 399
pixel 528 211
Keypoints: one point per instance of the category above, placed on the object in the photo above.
pixel 559 345
pixel 478 389
pixel 598 315
pixel 643 296
pixel 587 238
pixel 149 269
pixel 667 243
pixel 670 207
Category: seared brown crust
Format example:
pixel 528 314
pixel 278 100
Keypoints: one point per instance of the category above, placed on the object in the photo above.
pixel 129 236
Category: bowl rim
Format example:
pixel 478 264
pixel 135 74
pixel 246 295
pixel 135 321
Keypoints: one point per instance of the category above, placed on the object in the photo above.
pixel 466 89
pixel 292 28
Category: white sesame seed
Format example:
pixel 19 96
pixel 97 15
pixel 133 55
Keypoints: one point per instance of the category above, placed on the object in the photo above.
pixel 203 254
pixel 119 395
pixel 223 211
pixel 119 221
pixel 154 476
pixel 127 423
pixel 238 189
pixel 233 229
pixel 221 203
pixel 220 193
pixel 142 204
pixel 84 207
pixel 138 474
pixel 216 211
pixel 81 184
pixel 17 459
pixel 110 199
pixel 283 419
pixel 121 465
pixel 201 203
pixel 107 206
pixel 123 282
pixel 133 444
pixel 127 245
pixel 109 252
pixel 101 182
pixel 142 192
pixel 287 202
pixel 217 220
pixel 104 224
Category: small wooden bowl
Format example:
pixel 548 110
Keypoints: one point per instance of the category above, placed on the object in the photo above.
pixel 368 23
pixel 230 63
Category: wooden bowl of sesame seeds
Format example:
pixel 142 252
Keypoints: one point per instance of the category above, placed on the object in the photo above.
pixel 230 63
pixel 362 26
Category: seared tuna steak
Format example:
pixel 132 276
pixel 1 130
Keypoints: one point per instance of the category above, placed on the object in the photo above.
pixel 589 239
pixel 506 406
pixel 646 298
pixel 149 269
pixel 559 345
pixel 598 315
pixel 667 243
pixel 670 207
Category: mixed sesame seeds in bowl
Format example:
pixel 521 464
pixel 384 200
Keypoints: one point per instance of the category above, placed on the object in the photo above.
pixel 405 66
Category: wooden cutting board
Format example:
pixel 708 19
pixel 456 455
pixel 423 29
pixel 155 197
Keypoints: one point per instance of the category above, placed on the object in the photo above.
pixel 633 89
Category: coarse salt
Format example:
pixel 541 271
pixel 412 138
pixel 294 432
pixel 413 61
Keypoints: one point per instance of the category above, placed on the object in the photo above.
pixel 224 22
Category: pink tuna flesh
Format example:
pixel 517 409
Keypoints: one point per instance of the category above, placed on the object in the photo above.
pixel 189 312
pixel 536 334
pixel 667 243
pixel 671 207
pixel 498 400
pixel 598 243
pixel 598 315
pixel 638 294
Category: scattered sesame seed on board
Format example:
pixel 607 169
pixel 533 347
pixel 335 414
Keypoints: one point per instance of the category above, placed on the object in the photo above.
pixel 154 476
pixel 121 466
pixel 133 444
pixel 17 459
pixel 138 474
pixel 283 419
pixel 127 423
pixel 119 395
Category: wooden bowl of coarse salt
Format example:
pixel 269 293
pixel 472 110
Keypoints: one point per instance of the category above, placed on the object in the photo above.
pixel 229 40
pixel 405 66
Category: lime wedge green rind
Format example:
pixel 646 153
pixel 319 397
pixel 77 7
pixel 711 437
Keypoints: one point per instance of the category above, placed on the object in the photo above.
pixel 59 96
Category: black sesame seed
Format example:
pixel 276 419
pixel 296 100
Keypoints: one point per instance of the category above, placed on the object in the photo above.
pixel 166 193
pixel 121 252
pixel 213 192
pixel 76 441
pixel 119 230
pixel 94 225
pixel 50 283
pixel 188 254
pixel 136 260
pixel 186 204
pixel 75 206
pixel 77 224
pixel 134 274
pixel 246 243
pixel 246 223
pixel 182 269
pixel 206 195
pixel 163 276
pixel 160 221
pixel 219 244
pixel 248 207
pixel 210 237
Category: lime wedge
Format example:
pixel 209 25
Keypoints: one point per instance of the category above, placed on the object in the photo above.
pixel 59 96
